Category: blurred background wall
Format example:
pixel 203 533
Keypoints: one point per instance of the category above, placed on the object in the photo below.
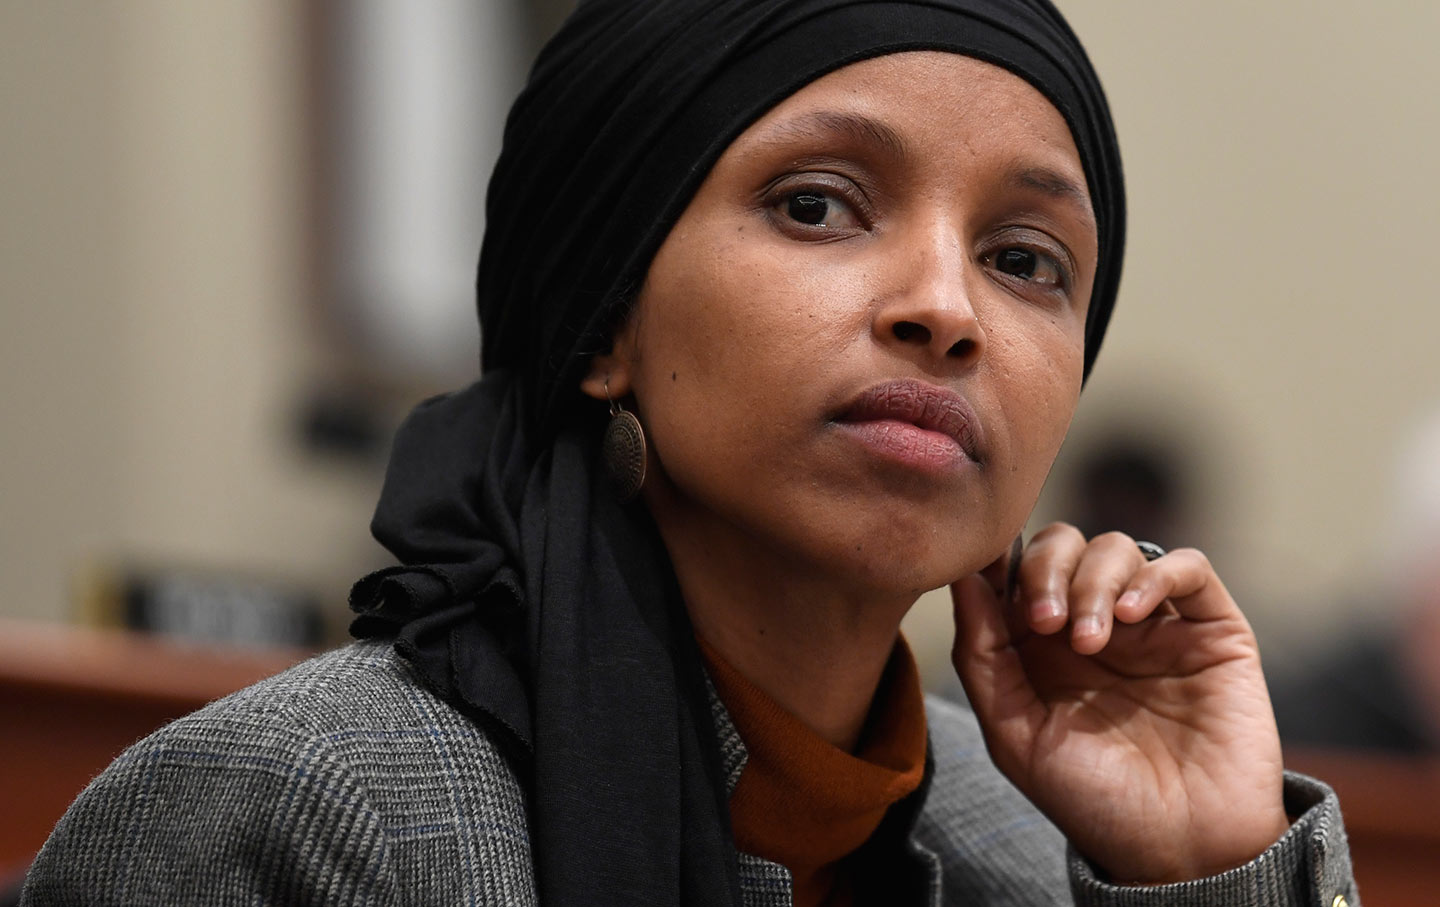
pixel 1272 319
pixel 167 274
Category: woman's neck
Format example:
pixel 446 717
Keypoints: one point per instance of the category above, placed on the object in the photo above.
pixel 830 691
pixel 815 648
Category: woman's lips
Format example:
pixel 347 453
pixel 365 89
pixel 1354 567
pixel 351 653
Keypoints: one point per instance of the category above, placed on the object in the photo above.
pixel 914 422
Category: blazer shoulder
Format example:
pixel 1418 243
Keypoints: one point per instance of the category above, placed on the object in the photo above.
pixel 341 780
pixel 359 685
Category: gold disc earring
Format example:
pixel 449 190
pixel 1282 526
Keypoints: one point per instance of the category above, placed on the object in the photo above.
pixel 624 449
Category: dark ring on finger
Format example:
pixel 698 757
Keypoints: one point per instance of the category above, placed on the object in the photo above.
pixel 1150 550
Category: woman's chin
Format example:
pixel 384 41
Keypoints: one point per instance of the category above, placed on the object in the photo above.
pixel 901 569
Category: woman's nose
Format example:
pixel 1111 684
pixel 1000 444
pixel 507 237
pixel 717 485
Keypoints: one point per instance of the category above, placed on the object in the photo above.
pixel 930 312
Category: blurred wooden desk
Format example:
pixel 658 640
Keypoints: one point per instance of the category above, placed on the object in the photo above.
pixel 72 698
pixel 1392 813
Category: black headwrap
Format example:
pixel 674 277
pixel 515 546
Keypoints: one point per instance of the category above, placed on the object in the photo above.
pixel 528 596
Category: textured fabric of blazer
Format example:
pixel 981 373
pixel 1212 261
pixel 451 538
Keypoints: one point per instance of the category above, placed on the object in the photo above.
pixel 344 781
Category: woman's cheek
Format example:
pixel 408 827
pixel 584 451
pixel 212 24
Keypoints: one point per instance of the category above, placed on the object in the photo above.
pixel 1039 403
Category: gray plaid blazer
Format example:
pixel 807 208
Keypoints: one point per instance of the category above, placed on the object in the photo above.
pixel 345 781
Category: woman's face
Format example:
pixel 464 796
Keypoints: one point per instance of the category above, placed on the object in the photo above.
pixel 857 352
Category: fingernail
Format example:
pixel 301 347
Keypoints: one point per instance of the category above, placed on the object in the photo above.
pixel 1044 609
pixel 1129 600
pixel 1088 626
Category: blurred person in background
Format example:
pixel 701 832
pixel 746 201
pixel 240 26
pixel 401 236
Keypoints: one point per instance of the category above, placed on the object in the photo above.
pixel 1377 685
pixel 1133 484
pixel 786 309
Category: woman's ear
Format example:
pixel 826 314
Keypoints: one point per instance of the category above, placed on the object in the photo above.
pixel 609 377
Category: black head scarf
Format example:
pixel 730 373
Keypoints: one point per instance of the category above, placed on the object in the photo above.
pixel 527 595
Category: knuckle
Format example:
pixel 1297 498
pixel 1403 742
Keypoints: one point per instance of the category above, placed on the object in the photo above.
pixel 1192 558
pixel 1147 578
pixel 1058 532
pixel 1114 539
pixel 1094 587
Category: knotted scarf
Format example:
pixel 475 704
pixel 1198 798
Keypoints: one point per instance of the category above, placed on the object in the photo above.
pixel 527 595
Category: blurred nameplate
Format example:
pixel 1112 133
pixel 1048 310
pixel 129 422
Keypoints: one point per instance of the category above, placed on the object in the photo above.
pixel 208 606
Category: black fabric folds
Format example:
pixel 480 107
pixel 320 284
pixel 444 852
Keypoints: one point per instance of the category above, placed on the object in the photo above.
pixel 536 602
pixel 526 594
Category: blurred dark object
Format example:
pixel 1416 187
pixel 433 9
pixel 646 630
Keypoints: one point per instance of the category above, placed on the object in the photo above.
pixel 1132 484
pixel 72 698
pixel 212 606
pixel 1376 684
pixel 1357 694
pixel 350 424
pixel 10 886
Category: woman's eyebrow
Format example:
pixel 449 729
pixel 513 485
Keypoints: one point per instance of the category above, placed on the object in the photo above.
pixel 1054 184
pixel 823 125
pixel 827 124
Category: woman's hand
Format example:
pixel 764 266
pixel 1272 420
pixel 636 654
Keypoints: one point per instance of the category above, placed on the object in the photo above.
pixel 1125 699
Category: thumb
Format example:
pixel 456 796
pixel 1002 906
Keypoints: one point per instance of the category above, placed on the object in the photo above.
pixel 980 625
pixel 989 667
pixel 1001 572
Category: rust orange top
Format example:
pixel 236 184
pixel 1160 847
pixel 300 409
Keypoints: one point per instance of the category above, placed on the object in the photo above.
pixel 807 804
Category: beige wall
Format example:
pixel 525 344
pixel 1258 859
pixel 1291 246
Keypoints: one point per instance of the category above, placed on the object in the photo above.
pixel 1277 306
pixel 58 220
pixel 153 300
pixel 1286 211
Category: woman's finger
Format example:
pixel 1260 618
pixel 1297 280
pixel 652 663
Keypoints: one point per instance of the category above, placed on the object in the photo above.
pixel 1183 577
pixel 1105 570
pixel 1042 587
pixel 990 669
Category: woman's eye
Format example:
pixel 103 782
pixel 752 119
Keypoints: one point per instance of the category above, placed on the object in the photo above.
pixel 813 207
pixel 1030 265
pixel 809 208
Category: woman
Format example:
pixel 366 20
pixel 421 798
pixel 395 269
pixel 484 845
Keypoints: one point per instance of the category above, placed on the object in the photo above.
pixel 826 276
